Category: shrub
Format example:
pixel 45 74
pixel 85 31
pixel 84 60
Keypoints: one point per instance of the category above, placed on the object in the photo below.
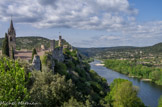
pixel 61 68
pixel 50 90
pixel 13 81
pixel 73 103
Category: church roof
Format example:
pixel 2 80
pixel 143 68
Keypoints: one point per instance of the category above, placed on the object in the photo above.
pixel 11 30
pixel 11 25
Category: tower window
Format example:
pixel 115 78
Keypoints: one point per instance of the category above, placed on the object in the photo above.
pixel 10 38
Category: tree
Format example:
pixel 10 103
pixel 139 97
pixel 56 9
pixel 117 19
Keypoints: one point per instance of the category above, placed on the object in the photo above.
pixel 60 68
pixel 13 82
pixel 123 94
pixel 51 90
pixel 73 103
pixel 33 53
pixel 13 56
pixel 126 96
pixel 160 102
pixel 5 47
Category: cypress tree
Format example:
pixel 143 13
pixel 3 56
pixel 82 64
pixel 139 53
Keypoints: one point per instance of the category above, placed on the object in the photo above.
pixel 13 56
pixel 5 46
pixel 33 53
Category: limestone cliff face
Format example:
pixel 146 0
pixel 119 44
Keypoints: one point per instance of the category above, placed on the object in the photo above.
pixel 36 62
pixel 58 54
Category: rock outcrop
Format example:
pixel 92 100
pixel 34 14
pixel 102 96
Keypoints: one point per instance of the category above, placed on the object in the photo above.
pixel 36 62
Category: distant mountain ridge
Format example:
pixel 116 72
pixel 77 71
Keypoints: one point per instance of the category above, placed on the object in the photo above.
pixel 90 52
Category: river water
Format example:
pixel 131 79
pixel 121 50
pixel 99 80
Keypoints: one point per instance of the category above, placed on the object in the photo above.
pixel 148 92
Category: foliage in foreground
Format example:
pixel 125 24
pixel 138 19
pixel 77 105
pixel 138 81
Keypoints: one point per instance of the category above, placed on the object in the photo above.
pixel 73 103
pixel 123 94
pixel 13 81
pixel 72 84
pixel 160 101
pixel 50 90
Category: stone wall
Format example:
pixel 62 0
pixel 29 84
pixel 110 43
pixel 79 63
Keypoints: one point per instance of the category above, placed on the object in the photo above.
pixel 58 54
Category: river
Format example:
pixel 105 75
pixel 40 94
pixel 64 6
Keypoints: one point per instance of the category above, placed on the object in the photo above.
pixel 148 92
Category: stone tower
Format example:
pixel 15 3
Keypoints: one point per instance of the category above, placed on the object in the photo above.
pixel 52 45
pixel 60 41
pixel 11 39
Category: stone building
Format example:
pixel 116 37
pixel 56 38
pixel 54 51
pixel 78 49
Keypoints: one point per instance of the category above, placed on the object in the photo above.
pixel 52 45
pixel 65 46
pixel 60 41
pixel 11 39
pixel 42 47
pixel 58 54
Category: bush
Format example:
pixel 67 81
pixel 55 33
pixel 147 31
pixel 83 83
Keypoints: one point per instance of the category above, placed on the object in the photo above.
pixel 70 65
pixel 51 90
pixel 61 68
pixel 47 60
pixel 73 103
pixel 160 102
pixel 13 81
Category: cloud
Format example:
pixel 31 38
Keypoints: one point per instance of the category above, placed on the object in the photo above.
pixel 81 14
pixel 108 15
pixel 47 2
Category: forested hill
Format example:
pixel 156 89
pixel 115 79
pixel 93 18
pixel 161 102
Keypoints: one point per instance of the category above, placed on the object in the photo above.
pixel 31 41
pixel 92 52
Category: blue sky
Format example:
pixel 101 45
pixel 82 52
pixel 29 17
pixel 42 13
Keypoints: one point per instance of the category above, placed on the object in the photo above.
pixel 86 23
pixel 149 10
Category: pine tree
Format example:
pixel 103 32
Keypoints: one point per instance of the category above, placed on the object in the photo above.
pixel 5 47
pixel 33 53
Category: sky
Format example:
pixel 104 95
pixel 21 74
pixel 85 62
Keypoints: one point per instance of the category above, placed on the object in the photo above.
pixel 86 23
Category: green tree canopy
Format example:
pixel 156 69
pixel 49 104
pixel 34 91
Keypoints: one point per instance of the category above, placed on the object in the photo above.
pixel 73 103
pixel 160 102
pixel 50 90
pixel 126 96
pixel 123 94
pixel 13 81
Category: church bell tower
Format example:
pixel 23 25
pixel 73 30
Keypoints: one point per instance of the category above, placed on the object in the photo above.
pixel 11 39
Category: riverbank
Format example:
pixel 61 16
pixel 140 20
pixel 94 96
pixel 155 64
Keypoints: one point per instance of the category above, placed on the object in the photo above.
pixel 146 80
pixel 100 64
pixel 131 69
pixel 148 92
pixel 142 79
